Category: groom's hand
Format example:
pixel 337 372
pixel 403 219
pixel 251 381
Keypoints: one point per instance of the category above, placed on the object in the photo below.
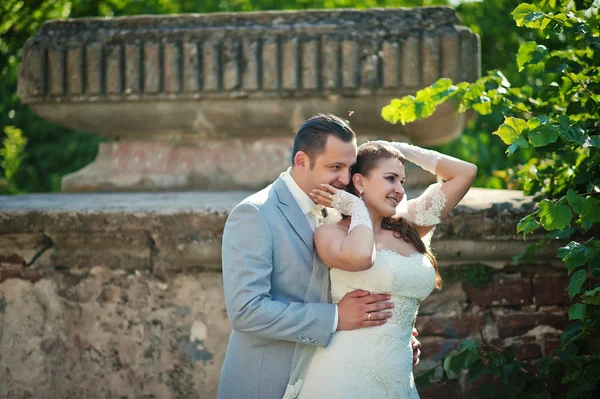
pixel 356 306
pixel 416 347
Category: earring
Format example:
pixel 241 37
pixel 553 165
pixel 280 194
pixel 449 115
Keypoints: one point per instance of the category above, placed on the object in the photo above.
pixel 360 194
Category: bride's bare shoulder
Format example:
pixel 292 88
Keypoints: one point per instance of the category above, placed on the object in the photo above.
pixel 333 229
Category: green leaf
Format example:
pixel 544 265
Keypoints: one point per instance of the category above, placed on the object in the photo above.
pixel 555 65
pixel 592 297
pixel 511 130
pixel 577 311
pixel 520 143
pixel 570 333
pixel 592 141
pixel 578 203
pixel 577 280
pixel 530 53
pixel 527 225
pixel 423 380
pixel 574 255
pixel 569 132
pixel 542 135
pixel 522 12
pixel 554 216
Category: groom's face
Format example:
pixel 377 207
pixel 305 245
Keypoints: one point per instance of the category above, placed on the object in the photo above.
pixel 333 165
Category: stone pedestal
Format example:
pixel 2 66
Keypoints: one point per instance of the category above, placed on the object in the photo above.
pixel 212 102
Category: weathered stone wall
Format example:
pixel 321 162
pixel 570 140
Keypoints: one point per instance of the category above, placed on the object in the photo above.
pixel 120 295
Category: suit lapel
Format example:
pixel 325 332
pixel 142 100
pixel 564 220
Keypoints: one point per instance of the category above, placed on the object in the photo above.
pixel 290 209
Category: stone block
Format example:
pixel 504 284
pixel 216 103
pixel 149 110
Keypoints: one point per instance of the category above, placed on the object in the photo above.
pixel 431 61
pixel 311 63
pixel 332 59
pixel 114 63
pixel 350 64
pixel 251 62
pixel 505 291
pixel 290 64
pixel 173 74
pixel 94 68
pixel 192 67
pixel 74 70
pixel 152 68
pixel 514 324
pixel 411 65
pixel 56 71
pixel 133 74
pixel 231 54
pixel 271 63
pixel 391 64
pixel 370 64
pixel 450 57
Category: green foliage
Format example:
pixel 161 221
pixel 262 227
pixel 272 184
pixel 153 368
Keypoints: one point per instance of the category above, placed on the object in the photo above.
pixel 11 157
pixel 552 116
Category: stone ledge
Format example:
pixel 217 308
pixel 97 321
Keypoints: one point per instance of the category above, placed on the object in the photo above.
pixel 176 231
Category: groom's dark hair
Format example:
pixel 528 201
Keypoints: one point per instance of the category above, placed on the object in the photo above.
pixel 312 135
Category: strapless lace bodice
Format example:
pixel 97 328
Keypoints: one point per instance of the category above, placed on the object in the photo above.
pixel 408 279
pixel 373 362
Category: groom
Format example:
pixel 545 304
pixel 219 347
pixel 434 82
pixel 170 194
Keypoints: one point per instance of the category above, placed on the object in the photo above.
pixel 267 264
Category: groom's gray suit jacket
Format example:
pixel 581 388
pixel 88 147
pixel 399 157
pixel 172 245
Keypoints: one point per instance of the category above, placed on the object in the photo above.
pixel 267 264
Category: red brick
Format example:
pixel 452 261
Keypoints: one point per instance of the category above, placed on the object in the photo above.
pixel 437 348
pixel 450 327
pixel 515 324
pixel 550 344
pixel 502 292
pixel 551 289
pixel 528 351
pixel 446 389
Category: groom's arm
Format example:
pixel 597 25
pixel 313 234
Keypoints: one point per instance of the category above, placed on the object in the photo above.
pixel 247 267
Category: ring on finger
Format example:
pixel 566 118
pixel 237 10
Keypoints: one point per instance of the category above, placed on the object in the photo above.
pixel 369 316
pixel 330 196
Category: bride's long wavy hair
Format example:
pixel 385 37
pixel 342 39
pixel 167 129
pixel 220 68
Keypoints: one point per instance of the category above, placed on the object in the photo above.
pixel 369 156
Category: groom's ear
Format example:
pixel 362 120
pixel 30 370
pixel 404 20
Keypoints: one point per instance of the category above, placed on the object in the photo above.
pixel 301 160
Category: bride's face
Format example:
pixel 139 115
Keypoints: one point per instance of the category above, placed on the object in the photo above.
pixel 384 187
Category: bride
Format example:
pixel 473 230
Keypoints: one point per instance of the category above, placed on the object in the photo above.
pixel 380 245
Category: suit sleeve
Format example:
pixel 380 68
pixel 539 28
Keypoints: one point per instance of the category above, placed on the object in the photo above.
pixel 247 267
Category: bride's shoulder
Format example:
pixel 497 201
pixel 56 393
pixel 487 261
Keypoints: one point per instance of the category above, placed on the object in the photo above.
pixel 333 229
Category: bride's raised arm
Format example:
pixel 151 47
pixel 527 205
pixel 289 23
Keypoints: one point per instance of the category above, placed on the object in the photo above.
pixel 439 199
pixel 352 250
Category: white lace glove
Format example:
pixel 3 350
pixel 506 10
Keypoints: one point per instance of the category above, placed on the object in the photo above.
pixel 352 206
pixel 426 159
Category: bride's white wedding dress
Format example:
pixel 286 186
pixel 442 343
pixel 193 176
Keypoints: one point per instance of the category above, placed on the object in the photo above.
pixel 377 362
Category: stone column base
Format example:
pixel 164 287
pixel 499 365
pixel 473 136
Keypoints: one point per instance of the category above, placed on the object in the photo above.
pixel 234 164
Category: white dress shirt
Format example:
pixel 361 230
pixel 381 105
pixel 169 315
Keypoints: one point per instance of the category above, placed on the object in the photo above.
pixel 306 205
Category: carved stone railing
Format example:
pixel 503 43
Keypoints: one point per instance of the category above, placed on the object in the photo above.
pixel 212 101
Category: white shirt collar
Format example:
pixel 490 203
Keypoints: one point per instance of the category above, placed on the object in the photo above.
pixel 302 199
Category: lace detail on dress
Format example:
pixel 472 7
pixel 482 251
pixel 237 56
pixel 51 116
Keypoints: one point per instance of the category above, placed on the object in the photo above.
pixel 373 362
pixel 351 205
pixel 404 311
pixel 427 209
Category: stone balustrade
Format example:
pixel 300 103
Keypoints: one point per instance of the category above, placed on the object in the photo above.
pixel 212 101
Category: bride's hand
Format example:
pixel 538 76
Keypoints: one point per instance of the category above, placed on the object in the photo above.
pixel 324 196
